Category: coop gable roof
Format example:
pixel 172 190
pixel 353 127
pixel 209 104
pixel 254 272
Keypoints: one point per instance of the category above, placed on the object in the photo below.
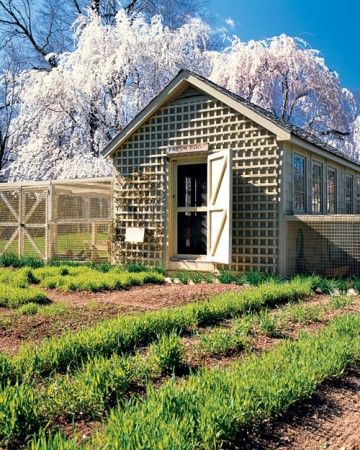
pixel 283 130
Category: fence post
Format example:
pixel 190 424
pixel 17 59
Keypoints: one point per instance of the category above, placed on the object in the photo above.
pixel 20 225
pixel 93 241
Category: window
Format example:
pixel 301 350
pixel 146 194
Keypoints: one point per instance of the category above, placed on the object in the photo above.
pixel 299 183
pixel 316 188
pixel 357 195
pixel 331 191
pixel 348 193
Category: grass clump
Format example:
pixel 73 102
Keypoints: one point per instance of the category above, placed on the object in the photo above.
pixel 271 325
pixel 99 384
pixel 87 279
pixel 167 354
pixel 140 267
pixel 254 278
pixel 304 314
pixel 12 260
pixel 223 341
pixel 207 409
pixel 28 309
pixel 13 297
pixel 340 301
pixel 191 276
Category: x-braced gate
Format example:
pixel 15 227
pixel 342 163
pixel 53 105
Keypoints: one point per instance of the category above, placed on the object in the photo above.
pixel 23 221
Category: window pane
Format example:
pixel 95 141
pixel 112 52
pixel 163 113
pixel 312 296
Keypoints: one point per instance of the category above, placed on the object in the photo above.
pixel 299 183
pixel 331 191
pixel 357 195
pixel 192 233
pixel 348 194
pixel 316 190
pixel 192 185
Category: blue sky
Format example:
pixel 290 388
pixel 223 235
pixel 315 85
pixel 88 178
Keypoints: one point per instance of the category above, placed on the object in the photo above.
pixel 333 27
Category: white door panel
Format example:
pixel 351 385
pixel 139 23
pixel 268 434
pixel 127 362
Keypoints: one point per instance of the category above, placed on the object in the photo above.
pixel 219 206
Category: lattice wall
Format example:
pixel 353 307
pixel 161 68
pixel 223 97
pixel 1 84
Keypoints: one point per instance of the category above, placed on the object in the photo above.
pixel 141 198
pixel 328 245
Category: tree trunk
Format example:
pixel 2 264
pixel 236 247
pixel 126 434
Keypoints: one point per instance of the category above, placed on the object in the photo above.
pixel 95 6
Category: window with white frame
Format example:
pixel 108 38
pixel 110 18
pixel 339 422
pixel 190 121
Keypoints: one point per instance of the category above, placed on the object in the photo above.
pixel 299 183
pixel 348 193
pixel 316 188
pixel 357 195
pixel 331 191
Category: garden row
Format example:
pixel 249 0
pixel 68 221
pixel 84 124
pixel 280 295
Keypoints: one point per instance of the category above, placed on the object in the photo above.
pixel 125 333
pixel 210 408
pixel 16 285
pixel 100 382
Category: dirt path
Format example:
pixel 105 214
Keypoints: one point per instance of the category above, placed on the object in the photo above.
pixel 329 420
pixel 144 298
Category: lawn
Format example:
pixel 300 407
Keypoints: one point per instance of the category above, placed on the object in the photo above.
pixel 221 364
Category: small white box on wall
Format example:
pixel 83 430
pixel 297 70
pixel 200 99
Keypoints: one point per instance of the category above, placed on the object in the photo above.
pixel 134 234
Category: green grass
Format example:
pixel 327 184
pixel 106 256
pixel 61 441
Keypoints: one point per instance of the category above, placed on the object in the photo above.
pixel 196 277
pixel 88 393
pixel 224 341
pixel 210 408
pixel 254 278
pixel 123 334
pixel 13 297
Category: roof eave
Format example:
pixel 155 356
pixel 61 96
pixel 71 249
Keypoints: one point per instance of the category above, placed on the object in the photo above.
pixel 296 140
pixel 178 84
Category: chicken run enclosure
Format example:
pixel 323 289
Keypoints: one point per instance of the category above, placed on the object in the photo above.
pixel 57 219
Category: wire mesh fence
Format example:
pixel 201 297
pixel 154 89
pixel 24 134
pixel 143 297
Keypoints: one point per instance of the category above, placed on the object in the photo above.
pixel 328 245
pixel 57 220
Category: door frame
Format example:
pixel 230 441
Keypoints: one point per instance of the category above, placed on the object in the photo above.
pixel 173 244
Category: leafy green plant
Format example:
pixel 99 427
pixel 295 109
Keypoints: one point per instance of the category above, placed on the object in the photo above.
pixel 140 267
pixel 227 277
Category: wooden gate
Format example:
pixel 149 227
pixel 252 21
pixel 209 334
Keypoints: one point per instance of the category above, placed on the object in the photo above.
pixel 23 221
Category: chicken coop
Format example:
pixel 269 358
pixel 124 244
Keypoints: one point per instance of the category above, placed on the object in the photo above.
pixel 68 219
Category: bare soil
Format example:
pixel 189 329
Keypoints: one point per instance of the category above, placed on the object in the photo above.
pixel 84 309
